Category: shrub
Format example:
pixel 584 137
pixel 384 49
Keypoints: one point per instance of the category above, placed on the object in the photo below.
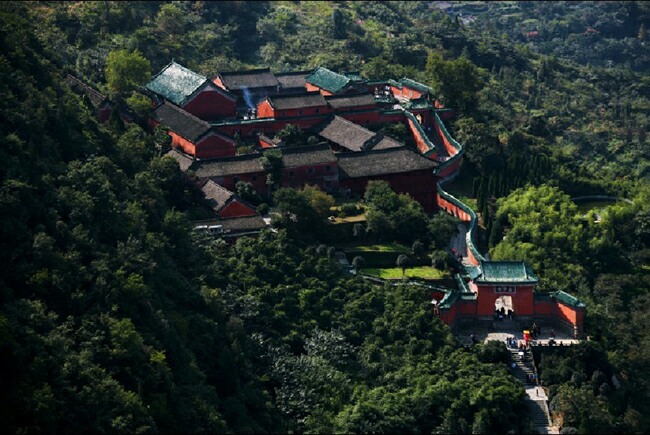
pixel 263 208
pixel 350 209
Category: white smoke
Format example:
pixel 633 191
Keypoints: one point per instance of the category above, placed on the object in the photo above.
pixel 248 98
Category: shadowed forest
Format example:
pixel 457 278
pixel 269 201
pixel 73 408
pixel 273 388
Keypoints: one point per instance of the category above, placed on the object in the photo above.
pixel 116 317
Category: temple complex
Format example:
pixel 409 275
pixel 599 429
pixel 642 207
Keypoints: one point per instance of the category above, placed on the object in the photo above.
pixel 207 117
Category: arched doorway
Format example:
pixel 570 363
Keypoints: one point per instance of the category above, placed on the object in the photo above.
pixel 503 308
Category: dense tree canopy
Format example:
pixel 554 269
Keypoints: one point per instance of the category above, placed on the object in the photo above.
pixel 116 317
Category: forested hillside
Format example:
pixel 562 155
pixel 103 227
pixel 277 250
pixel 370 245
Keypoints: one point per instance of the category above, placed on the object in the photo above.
pixel 116 317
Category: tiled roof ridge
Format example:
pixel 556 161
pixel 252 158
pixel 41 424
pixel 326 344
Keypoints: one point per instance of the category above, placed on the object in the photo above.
pixel 302 148
pixel 342 119
pixel 209 126
pixel 173 62
pixel 372 141
pixel 381 151
pixel 185 113
pixel 176 91
pixel 234 218
pixel 227 195
pixel 525 272
pixel 321 70
pixel 415 84
pixel 296 95
pixel 183 130
pixel 293 73
pixel 394 83
pixel 226 93
pixel 239 157
pixel 245 72
pixel 341 96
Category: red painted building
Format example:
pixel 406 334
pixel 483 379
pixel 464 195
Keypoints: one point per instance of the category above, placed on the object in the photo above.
pixel 405 171
pixel 344 135
pixel 293 106
pixel 336 108
pixel 192 92
pixel 314 165
pixel 226 172
pixel 250 87
pixel 408 89
pixel 496 287
pixel 328 82
pixel 351 102
pixel 292 82
pixel 224 202
pixel 193 135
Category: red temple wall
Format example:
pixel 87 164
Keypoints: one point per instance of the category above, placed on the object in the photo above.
pixel 213 145
pixel 311 88
pixel 420 185
pixel 468 308
pixel 405 92
pixel 264 110
pixel 522 300
pixel 364 118
pixel 318 175
pixel 182 143
pixel 307 111
pixel 236 209
pixel 419 140
pixel 565 313
pixel 217 81
pixel 450 169
pixel 210 105
pixel 452 209
pixel 448 315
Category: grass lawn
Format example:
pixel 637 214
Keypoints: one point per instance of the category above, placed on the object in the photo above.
pixel 424 272
pixel 388 247
pixel 358 218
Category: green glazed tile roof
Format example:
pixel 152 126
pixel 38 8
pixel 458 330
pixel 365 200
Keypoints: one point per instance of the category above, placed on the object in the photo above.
pixel 473 272
pixel 568 299
pixel 448 300
pixel 460 282
pixel 175 83
pixel 328 80
pixel 416 85
pixel 419 103
pixel 505 272
pixel 353 75
pixel 394 83
pixel 468 296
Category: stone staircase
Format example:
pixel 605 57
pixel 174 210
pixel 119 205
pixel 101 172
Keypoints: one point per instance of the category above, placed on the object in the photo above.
pixel 506 325
pixel 538 410
pixel 522 368
pixel 538 413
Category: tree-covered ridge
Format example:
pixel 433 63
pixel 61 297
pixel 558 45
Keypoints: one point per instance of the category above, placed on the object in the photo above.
pixel 588 119
pixel 114 318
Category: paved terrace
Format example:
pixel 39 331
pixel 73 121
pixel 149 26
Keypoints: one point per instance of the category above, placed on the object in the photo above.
pixel 485 334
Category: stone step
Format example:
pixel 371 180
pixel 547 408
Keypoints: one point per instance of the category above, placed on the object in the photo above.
pixel 506 325
pixel 537 411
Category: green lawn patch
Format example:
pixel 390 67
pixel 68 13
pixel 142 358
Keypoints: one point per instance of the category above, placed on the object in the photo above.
pixel 424 272
pixel 386 247
pixel 358 218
